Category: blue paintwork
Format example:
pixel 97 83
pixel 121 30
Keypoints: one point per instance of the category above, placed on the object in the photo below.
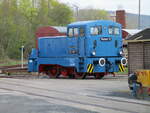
pixel 32 61
pixel 56 50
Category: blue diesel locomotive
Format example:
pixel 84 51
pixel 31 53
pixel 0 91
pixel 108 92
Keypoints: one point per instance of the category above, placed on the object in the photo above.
pixel 90 48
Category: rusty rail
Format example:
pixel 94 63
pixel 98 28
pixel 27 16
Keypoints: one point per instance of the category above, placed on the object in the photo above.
pixel 13 68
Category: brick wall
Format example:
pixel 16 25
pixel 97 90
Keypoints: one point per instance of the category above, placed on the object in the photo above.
pixel 147 55
pixel 121 18
pixel 138 56
pixel 135 56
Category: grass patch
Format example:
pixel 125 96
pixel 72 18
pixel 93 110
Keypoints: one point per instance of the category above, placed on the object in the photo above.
pixel 123 73
pixel 9 62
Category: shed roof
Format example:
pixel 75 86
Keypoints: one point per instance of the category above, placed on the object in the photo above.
pixel 129 32
pixel 141 36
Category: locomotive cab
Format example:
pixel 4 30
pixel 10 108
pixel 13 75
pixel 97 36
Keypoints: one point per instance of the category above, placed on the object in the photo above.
pixel 96 39
pixel 99 43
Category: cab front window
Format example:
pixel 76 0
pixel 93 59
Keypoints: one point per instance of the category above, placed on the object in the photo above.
pixel 113 30
pixel 96 30
pixel 116 31
pixel 110 30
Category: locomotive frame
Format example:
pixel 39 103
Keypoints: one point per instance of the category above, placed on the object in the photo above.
pixel 90 48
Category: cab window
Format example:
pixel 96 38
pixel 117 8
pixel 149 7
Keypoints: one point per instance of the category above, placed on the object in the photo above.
pixel 116 31
pixel 70 32
pixel 76 32
pixel 96 30
pixel 110 30
pixel 81 32
pixel 73 32
pixel 100 30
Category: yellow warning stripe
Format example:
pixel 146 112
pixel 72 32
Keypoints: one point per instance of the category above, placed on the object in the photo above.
pixel 121 68
pixel 90 68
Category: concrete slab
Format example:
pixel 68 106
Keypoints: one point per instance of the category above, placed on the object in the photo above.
pixel 109 95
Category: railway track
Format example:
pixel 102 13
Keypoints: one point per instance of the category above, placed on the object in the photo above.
pixel 61 96
pixel 13 68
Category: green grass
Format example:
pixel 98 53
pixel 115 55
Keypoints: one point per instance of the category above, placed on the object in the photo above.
pixel 123 73
pixel 9 62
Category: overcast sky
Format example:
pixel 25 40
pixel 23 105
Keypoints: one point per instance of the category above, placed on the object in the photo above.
pixel 129 5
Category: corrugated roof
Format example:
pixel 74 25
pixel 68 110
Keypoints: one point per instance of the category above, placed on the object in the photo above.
pixel 143 35
pixel 131 31
pixel 61 29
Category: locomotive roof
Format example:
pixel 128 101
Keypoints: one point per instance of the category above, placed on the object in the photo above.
pixel 82 23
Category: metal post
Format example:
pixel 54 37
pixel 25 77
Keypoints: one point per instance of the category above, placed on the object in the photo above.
pixel 139 17
pixel 22 50
pixel 77 11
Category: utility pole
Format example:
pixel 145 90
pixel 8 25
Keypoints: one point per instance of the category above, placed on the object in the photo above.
pixel 49 6
pixel 22 51
pixel 77 10
pixel 33 3
pixel 139 17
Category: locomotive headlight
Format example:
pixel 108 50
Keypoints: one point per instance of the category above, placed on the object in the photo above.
pixel 30 61
pixel 93 53
pixel 121 53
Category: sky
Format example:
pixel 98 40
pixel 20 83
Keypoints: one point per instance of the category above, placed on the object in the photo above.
pixel 130 6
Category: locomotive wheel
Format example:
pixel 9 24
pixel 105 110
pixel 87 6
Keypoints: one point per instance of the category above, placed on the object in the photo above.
pixel 80 75
pixel 71 76
pixel 64 73
pixel 99 75
pixel 53 73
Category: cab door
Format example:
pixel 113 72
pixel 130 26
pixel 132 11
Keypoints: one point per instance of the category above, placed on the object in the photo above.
pixel 93 41
pixel 73 41
pixel 76 41
pixel 81 41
